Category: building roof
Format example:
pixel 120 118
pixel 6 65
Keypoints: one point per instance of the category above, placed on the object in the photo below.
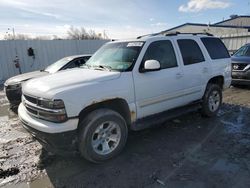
pixel 211 25
pixel 230 19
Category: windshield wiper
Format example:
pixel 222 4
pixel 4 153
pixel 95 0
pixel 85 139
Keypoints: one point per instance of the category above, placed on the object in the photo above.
pixel 86 66
pixel 43 70
pixel 103 67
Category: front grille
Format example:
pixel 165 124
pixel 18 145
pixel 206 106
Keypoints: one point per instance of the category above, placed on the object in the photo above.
pixel 239 66
pixel 31 99
pixel 34 112
pixel 30 104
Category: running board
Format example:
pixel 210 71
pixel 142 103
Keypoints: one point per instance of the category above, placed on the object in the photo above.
pixel 164 116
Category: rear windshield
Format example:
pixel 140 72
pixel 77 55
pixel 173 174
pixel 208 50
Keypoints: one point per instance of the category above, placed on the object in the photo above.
pixel 58 65
pixel 215 48
pixel 243 51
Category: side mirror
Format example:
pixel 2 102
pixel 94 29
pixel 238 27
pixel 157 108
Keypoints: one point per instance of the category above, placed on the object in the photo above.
pixel 151 65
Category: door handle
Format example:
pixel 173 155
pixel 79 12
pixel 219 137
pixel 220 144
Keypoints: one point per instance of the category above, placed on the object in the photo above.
pixel 205 70
pixel 179 75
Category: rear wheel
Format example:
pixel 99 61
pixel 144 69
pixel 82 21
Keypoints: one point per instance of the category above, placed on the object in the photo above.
pixel 102 135
pixel 212 100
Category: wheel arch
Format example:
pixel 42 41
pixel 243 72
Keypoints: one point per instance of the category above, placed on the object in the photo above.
pixel 117 104
pixel 219 80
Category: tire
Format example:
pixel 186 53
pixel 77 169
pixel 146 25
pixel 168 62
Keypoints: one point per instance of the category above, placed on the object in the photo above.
pixel 102 135
pixel 212 100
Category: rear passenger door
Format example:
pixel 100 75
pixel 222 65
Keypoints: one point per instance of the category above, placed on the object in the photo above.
pixel 196 69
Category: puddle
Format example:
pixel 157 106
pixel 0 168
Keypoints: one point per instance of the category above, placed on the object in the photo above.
pixel 244 141
pixel 39 183
pixel 226 167
pixel 235 122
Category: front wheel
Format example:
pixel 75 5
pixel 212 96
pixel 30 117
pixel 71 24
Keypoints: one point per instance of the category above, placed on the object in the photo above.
pixel 212 100
pixel 103 134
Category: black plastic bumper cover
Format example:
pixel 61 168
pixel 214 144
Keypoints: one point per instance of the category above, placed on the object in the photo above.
pixel 59 143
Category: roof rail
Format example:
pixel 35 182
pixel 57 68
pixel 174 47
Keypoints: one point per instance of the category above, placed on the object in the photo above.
pixel 148 35
pixel 179 33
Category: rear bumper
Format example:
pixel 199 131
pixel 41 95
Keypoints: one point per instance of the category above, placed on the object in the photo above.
pixel 13 95
pixel 54 137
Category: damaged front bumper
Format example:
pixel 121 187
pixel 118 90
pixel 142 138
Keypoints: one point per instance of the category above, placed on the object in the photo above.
pixel 52 136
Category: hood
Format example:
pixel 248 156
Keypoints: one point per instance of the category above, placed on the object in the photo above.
pixel 24 77
pixel 242 59
pixel 48 86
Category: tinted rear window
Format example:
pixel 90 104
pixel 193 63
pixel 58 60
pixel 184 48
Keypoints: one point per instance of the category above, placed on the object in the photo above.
pixel 191 52
pixel 215 48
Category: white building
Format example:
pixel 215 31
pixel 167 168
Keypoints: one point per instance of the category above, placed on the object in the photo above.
pixel 235 32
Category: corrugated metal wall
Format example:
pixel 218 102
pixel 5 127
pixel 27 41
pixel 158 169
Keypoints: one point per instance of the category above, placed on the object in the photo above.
pixel 234 41
pixel 46 52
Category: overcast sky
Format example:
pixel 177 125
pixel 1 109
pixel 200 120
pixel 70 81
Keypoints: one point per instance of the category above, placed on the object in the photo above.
pixel 119 18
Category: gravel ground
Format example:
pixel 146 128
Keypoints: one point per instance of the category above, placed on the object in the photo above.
pixel 189 151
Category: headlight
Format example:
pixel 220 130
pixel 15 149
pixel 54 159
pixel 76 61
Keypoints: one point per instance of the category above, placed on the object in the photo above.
pixel 56 104
pixel 53 117
pixel 53 110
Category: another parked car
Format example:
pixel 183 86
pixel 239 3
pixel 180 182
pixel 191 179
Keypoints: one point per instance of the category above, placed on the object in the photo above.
pixel 13 86
pixel 130 84
pixel 241 66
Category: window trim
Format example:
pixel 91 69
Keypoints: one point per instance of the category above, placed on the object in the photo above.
pixel 188 39
pixel 175 54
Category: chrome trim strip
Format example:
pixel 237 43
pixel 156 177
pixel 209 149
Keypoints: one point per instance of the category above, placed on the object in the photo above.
pixel 247 67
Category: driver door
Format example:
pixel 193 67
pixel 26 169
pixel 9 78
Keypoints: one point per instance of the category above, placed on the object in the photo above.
pixel 157 91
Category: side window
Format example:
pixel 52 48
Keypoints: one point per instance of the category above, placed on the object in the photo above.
pixel 191 52
pixel 163 52
pixel 215 48
pixel 73 64
pixel 83 60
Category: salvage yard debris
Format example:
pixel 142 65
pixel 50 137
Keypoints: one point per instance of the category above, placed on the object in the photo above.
pixel 9 172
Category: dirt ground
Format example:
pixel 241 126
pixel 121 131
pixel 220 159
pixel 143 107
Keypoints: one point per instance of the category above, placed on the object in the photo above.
pixel 189 151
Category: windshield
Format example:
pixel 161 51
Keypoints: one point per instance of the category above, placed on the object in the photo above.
pixel 58 65
pixel 243 51
pixel 119 56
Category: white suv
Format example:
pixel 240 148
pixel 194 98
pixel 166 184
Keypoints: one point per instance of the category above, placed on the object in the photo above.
pixel 125 85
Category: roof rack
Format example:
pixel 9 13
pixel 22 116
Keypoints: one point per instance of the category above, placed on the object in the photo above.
pixel 148 35
pixel 179 33
pixel 173 34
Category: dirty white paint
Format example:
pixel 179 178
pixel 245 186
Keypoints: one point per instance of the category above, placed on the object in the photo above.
pixel 46 52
